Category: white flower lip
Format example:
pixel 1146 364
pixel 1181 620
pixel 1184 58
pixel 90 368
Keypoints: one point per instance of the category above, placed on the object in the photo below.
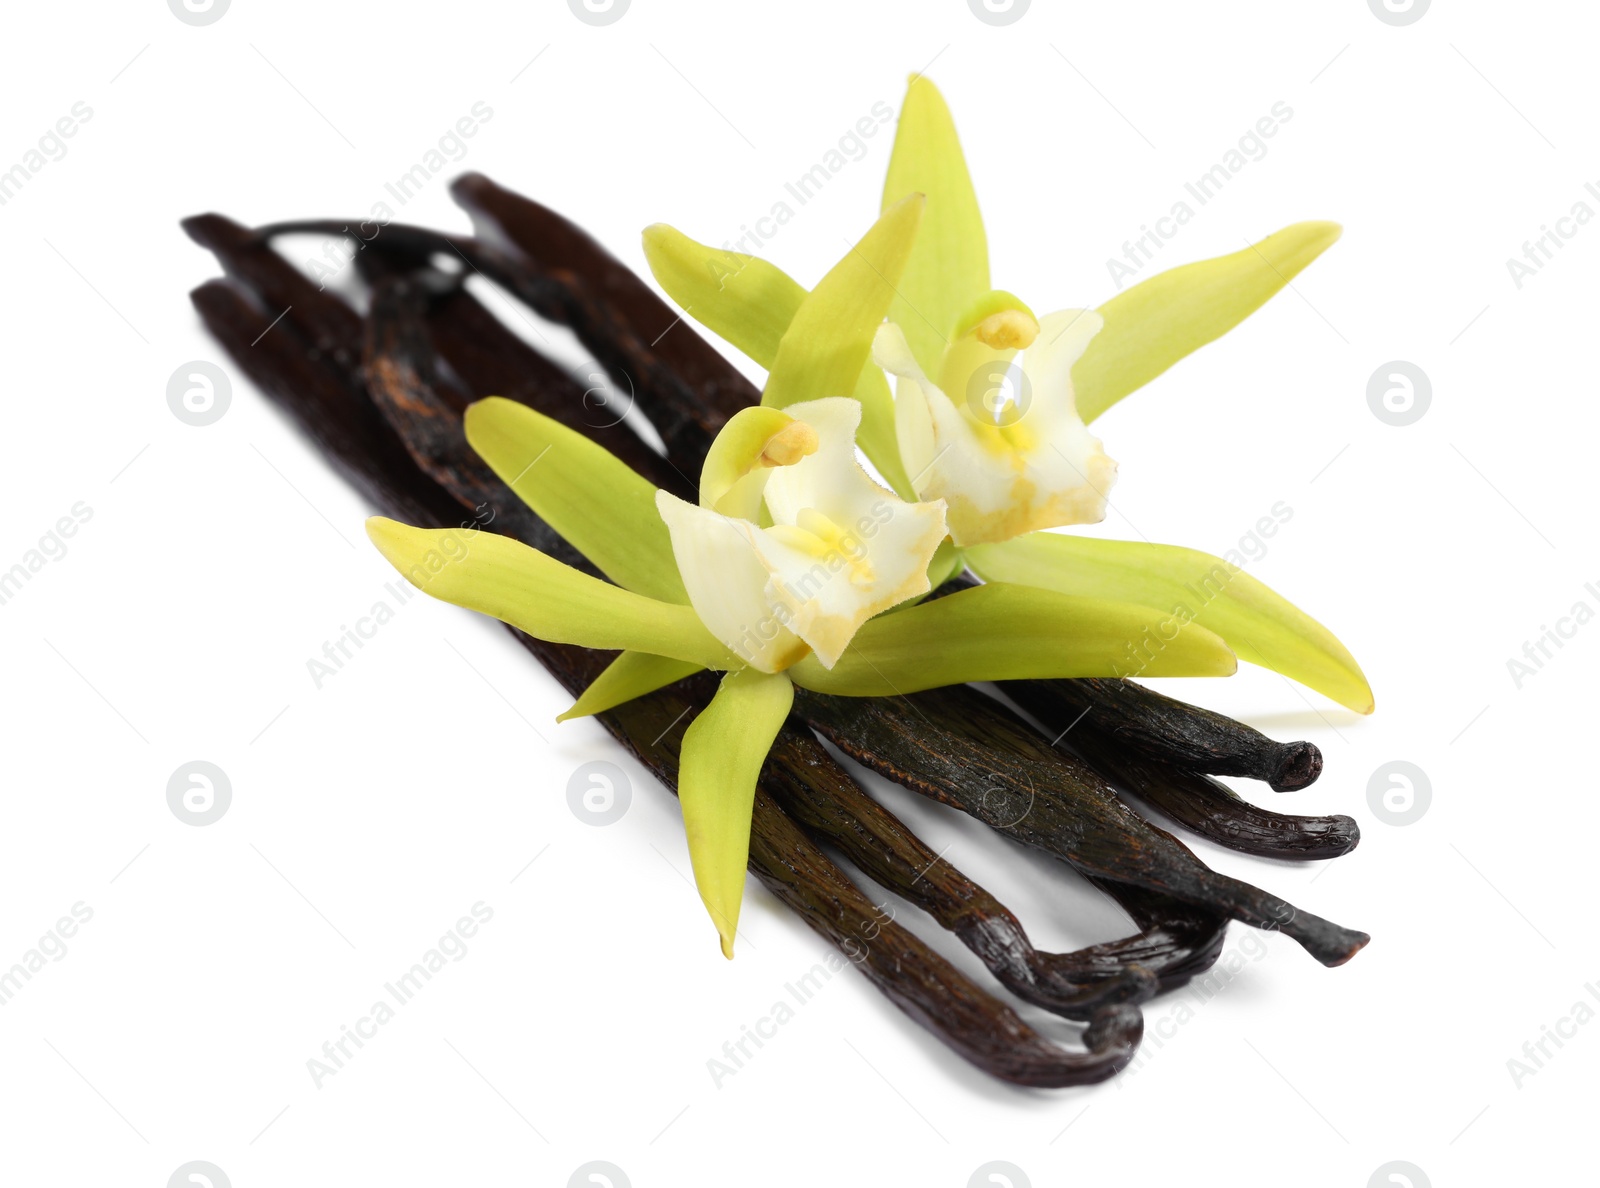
pixel 840 549
pixel 1034 466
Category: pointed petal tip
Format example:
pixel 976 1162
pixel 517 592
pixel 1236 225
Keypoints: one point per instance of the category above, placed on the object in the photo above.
pixel 1300 243
pixel 726 941
pixel 1225 660
pixel 486 404
pixel 914 201
pixel 1359 698
pixel 474 418
pixel 383 532
pixel 397 544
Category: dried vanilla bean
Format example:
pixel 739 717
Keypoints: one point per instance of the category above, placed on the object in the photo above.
pixel 1194 801
pixel 1199 803
pixel 1132 718
pixel 962 748
pixel 512 222
pixel 879 845
pixel 433 320
pixel 598 322
pixel 1180 938
pixel 914 977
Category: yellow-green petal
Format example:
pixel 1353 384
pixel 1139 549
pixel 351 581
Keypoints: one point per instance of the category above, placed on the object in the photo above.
pixel 1002 632
pixel 1159 321
pixel 829 339
pixel 630 675
pixel 498 576
pixel 949 265
pixel 723 751
pixel 743 299
pixel 750 303
pixel 1259 624
pixel 597 502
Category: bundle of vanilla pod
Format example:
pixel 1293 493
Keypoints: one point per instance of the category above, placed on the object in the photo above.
pixel 383 387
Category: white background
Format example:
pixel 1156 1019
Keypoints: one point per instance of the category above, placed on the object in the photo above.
pixel 369 814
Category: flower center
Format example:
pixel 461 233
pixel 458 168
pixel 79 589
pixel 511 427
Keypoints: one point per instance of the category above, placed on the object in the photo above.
pixel 1007 330
pixel 788 445
pixel 837 549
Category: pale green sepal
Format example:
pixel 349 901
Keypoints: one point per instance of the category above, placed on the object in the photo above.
pixel 723 751
pixel 1003 632
pixel 740 298
pixel 630 675
pixel 829 340
pixel 498 576
pixel 1151 326
pixel 949 266
pixel 598 504
pixel 1260 625
pixel 750 303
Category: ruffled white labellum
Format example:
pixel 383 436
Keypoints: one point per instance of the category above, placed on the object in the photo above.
pixel 1005 462
pixel 839 550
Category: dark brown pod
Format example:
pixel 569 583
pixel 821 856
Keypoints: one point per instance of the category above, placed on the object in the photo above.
pixel 965 749
pixel 1201 804
pixel 1179 939
pixel 517 224
pixel 683 420
pixel 1142 721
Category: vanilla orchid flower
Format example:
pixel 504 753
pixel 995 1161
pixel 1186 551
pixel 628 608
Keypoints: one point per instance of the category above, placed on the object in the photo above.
pixel 839 548
pixel 790 551
pixel 1003 447
pixel 779 575
pixel 1006 446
